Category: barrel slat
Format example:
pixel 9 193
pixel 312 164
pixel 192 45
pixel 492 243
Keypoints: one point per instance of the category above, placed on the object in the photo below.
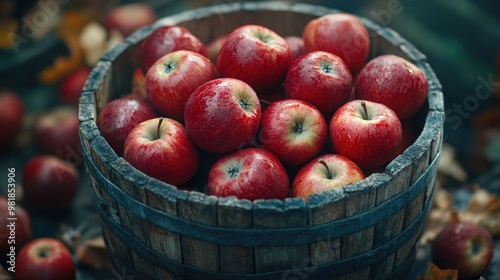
pixel 323 208
pixel 235 213
pixel 199 208
pixel 272 214
pixel 103 157
pixel 132 182
pixel 168 244
pixel 398 174
pixel 360 197
pixel 419 155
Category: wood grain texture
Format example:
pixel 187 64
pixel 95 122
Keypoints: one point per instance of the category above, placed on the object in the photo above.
pixel 360 197
pixel 385 231
pixel 419 156
pixel 202 209
pixel 323 208
pixel 165 242
pixel 279 214
pixel 235 213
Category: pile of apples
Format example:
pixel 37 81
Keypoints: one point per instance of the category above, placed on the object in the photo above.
pixel 284 116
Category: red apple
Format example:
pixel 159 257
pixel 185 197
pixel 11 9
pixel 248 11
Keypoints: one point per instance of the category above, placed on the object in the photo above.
pixel 118 117
pixel 222 115
pixel 255 55
pixel 251 173
pixel 463 246
pixel 296 46
pixel 394 82
pixel 162 149
pixel 368 133
pixel 13 233
pixel 128 18
pixel 294 130
pixel 71 87
pixel 45 259
pixel 56 133
pixel 320 78
pixel 11 117
pixel 174 77
pixel 49 183
pixel 341 34
pixel 323 173
pixel 213 48
pixel 167 39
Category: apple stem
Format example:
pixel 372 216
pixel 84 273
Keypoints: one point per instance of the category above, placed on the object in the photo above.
pixel 365 110
pixel 158 128
pixel 328 172
pixel 264 101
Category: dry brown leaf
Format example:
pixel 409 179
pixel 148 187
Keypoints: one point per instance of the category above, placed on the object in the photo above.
pixel 484 210
pixel 93 253
pixel 435 273
pixel 441 215
pixel 450 166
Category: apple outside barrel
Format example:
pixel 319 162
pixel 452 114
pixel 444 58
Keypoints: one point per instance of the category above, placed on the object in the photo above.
pixel 365 227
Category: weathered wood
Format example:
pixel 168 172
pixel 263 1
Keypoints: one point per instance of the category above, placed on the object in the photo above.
pixel 274 214
pixel 323 208
pixel 86 108
pixel 166 243
pixel 99 81
pixel 132 182
pixel 390 227
pixel 202 209
pixel 88 131
pixel 360 197
pixel 412 54
pixel 419 156
pixel 389 42
pixel 434 83
pixel 235 213
pixel 103 157
pixel 399 171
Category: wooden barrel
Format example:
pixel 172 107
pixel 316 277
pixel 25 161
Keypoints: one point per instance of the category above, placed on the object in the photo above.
pixel 366 230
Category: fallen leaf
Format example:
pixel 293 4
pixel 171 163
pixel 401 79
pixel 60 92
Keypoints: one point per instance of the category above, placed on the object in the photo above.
pixel 435 273
pixel 441 215
pixel 93 253
pixel 450 166
pixel 87 242
pixel 484 210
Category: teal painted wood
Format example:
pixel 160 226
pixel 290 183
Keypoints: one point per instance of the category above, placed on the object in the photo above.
pixel 156 231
